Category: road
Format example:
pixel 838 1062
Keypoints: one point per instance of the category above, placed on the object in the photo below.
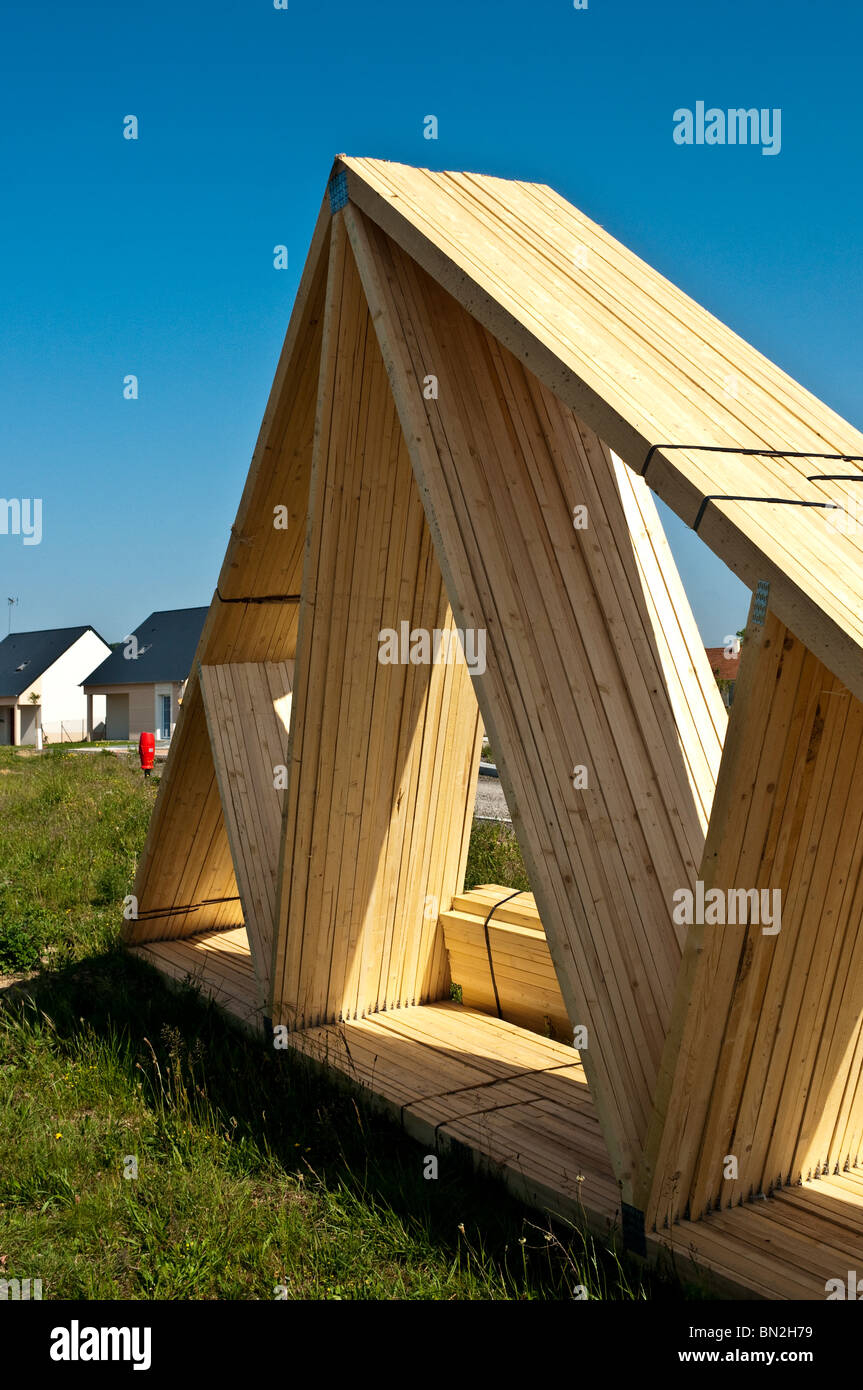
pixel 490 801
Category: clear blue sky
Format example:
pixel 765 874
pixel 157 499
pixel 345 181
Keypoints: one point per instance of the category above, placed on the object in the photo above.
pixel 155 257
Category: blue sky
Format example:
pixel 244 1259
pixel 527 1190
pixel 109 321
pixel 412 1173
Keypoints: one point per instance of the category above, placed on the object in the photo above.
pixel 155 256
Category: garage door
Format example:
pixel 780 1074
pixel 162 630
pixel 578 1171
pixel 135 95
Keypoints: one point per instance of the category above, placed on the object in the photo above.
pixel 117 716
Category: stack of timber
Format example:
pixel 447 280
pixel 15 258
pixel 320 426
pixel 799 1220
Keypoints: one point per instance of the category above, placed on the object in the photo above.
pixel 218 964
pixel 478 390
pixel 579 676
pixel 789 1245
pixel 649 369
pixel 519 1103
pixel 499 958
pixel 384 755
pixel 248 707
pixel 766 1057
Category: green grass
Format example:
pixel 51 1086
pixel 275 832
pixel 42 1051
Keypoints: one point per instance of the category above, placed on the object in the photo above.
pixel 71 829
pixel 494 856
pixel 129 743
pixel 252 1172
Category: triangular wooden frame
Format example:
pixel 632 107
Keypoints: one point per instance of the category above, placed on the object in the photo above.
pixel 468 363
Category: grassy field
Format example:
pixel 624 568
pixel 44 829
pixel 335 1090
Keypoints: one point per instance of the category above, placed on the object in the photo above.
pixel 252 1174
pixel 494 857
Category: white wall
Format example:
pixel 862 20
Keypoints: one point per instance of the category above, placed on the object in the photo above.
pixel 100 714
pixel 62 699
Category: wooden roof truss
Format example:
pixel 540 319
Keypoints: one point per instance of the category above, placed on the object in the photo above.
pixel 469 363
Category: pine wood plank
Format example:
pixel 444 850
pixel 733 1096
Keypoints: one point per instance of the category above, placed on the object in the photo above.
pixel 365 813
pixel 634 360
pixel 768 1055
pixel 249 740
pixel 219 964
pixel 461 444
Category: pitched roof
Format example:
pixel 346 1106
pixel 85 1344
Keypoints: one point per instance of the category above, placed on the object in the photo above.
pixel 663 382
pixel 166 649
pixel 25 656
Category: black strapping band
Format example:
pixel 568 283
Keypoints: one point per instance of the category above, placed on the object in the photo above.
pixel 732 449
pixel 480 1086
pixel 264 598
pixel 186 907
pixel 488 944
pixel 783 501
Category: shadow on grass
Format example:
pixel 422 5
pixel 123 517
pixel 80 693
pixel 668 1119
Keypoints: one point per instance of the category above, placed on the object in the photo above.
pixel 279 1109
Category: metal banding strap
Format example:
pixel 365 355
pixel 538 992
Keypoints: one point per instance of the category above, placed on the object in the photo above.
pixel 485 926
pixel 488 1109
pixel 782 501
pixel 763 453
pixel 338 190
pixel 481 1086
pixel 264 598
pixel 157 912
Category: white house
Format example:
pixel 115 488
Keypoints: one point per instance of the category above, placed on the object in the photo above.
pixel 40 683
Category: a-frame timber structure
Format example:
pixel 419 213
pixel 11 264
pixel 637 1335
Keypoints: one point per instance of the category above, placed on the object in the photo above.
pixel 478 391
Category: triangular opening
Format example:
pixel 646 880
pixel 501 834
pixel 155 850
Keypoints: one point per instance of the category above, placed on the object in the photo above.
pixel 189 921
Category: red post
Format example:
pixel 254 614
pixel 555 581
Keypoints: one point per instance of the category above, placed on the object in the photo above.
pixel 147 752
